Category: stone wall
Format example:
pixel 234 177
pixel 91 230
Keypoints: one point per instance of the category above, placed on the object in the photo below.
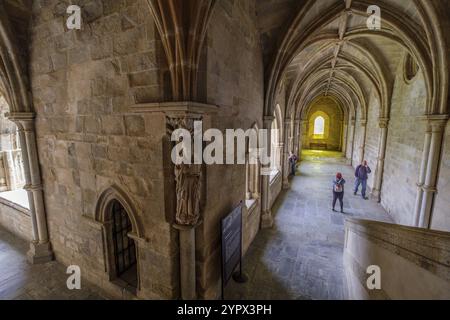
pixel 83 83
pixel 440 219
pixel 234 83
pixel 404 148
pixel 15 219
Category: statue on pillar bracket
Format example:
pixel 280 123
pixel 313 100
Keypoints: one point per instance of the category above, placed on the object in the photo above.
pixel 188 177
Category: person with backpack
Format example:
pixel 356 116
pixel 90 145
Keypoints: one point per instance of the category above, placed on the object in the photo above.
pixel 338 191
pixel 362 174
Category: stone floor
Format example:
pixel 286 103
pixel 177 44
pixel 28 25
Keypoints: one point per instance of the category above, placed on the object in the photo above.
pixel 301 256
pixel 20 280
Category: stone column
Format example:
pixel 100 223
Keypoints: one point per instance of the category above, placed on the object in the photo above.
pixel 248 182
pixel 344 138
pixel 352 141
pixel 255 174
pixel 302 128
pixel 422 176
pixel 187 261
pixel 296 138
pixel 286 169
pixel 376 192
pixel 363 140
pixel 291 136
pixel 266 218
pixel 40 247
pixel 429 189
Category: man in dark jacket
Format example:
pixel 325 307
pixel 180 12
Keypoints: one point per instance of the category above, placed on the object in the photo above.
pixel 293 159
pixel 362 174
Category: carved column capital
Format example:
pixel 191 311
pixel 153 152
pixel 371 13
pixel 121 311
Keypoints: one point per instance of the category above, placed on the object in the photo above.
pixel 268 121
pixel 181 121
pixel 383 123
pixel 23 120
pixel 437 124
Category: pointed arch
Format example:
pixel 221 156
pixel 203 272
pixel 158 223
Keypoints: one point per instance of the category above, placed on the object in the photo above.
pixel 103 208
pixel 13 81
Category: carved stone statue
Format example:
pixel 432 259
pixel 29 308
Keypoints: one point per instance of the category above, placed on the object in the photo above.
pixel 188 188
pixel 187 178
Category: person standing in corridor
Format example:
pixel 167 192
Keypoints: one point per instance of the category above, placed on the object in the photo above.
pixel 338 191
pixel 362 174
pixel 293 159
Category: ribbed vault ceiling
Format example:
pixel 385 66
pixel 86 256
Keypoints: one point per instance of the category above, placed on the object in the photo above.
pixel 328 50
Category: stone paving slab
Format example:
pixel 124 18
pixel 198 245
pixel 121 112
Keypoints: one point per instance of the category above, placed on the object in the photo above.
pixel 20 280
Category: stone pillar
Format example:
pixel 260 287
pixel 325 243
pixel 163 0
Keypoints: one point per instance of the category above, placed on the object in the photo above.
pixel 255 175
pixel 422 176
pixel 188 185
pixel 187 261
pixel 40 247
pixel 286 168
pixel 248 182
pixel 352 141
pixel 266 218
pixel 302 128
pixel 344 137
pixel 363 140
pixel 296 137
pixel 376 192
pixel 429 188
pixel 291 136
pixel 188 178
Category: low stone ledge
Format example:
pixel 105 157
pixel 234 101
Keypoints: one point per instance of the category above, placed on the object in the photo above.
pixel 415 263
pixel 15 206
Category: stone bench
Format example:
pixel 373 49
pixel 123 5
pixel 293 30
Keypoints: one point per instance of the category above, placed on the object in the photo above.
pixel 318 146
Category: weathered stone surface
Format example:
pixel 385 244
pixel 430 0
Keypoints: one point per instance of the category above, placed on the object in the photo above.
pixel 258 60
pixel 84 80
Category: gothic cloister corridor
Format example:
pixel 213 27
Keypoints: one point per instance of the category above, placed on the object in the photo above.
pixel 301 257
pixel 147 146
